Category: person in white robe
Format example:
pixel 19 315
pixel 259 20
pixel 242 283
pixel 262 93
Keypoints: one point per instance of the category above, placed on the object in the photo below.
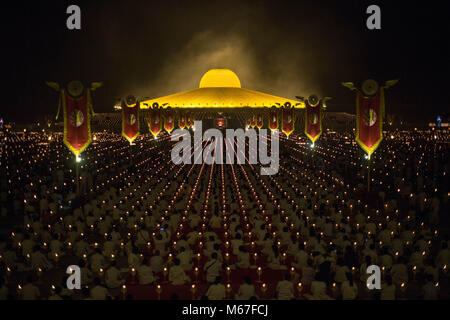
pixel 30 292
pixel 156 262
pixel 216 291
pixel 285 288
pixel 243 258
pixel 246 290
pixel 185 258
pixel 113 277
pixel 212 268
pixel 177 276
pixel 388 289
pixel 99 292
pixel 349 289
pixel 145 274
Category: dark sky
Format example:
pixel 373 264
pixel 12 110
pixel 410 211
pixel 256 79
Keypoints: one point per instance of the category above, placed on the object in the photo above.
pixel 288 48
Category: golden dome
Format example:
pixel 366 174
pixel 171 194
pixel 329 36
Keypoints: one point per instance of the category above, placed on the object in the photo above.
pixel 223 78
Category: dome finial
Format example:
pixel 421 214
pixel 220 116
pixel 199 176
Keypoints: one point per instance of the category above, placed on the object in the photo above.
pixel 220 78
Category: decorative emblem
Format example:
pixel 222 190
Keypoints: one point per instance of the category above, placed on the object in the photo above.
pixel 370 117
pixel 76 118
pixel 131 119
pixel 313 100
pixel 370 87
pixel 313 118
pixel 75 88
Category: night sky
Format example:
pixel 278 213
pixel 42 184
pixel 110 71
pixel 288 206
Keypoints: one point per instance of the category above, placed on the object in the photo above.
pixel 154 48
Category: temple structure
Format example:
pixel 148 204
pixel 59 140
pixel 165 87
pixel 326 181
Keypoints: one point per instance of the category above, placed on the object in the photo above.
pixel 220 88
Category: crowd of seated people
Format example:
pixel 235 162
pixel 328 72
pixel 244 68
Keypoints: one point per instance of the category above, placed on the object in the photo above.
pixel 141 227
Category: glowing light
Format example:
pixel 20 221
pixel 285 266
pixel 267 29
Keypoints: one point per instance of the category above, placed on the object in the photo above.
pixel 220 78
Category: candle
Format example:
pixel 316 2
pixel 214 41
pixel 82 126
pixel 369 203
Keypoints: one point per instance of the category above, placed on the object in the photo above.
pixel 299 287
pixel 158 291
pixel 403 287
pixel 263 288
pixel 292 272
pixel 196 273
pixel 228 289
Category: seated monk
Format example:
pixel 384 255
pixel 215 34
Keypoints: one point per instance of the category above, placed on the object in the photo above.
pixel 177 276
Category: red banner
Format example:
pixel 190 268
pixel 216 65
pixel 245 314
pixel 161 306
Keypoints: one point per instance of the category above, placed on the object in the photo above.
pixel 288 121
pixel 253 120
pixel 189 121
pixel 259 120
pixel 169 120
pixel 249 122
pixel 313 121
pixel 130 121
pixel 273 119
pixel 369 120
pixel 182 120
pixel 77 121
pixel 155 122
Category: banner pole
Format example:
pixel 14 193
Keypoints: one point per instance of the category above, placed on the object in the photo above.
pixel 77 173
pixel 368 176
